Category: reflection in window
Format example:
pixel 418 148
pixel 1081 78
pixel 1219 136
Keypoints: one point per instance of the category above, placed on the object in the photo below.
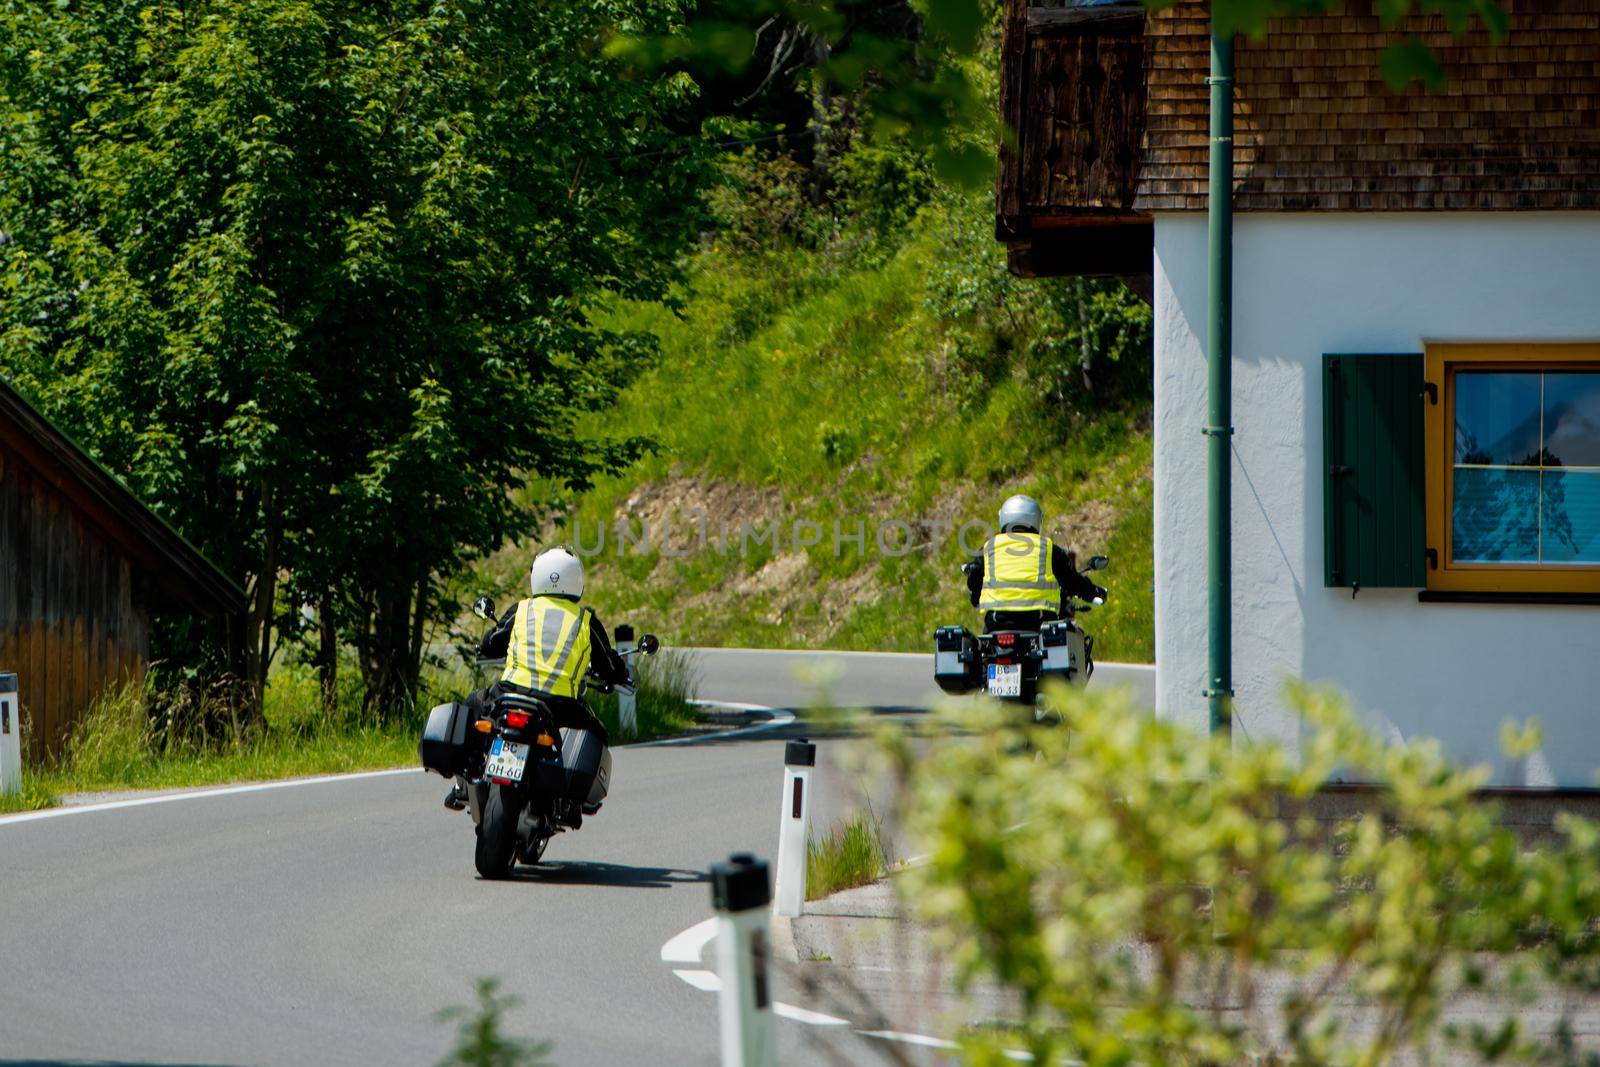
pixel 1526 479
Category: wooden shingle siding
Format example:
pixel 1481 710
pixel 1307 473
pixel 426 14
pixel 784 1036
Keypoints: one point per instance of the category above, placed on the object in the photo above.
pixel 1517 128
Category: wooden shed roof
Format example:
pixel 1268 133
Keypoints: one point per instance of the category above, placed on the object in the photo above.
pixel 178 572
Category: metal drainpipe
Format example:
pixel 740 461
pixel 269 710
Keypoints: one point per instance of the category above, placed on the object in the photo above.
pixel 1219 347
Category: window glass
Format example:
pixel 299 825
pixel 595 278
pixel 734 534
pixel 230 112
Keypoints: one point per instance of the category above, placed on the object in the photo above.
pixel 1496 516
pixel 1526 478
pixel 1497 418
pixel 1572 419
pixel 1571 517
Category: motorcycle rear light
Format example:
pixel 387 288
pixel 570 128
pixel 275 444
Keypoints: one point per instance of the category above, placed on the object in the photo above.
pixel 1005 640
pixel 516 719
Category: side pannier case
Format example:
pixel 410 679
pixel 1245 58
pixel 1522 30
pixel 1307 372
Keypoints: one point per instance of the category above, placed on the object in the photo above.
pixel 955 659
pixel 1064 654
pixel 444 740
pixel 587 762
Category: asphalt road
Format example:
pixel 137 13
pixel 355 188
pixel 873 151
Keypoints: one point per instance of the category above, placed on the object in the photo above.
pixel 329 922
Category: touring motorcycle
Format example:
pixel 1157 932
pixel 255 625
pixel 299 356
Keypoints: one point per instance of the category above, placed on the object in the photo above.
pixel 526 779
pixel 1013 665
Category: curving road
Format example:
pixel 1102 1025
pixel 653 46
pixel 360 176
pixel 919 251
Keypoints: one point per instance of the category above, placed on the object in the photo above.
pixel 327 922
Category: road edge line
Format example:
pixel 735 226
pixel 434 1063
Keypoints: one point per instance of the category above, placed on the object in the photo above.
pixel 196 794
pixel 779 717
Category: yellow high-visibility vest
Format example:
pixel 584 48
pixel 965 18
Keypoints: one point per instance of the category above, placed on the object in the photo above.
pixel 549 649
pixel 1017 575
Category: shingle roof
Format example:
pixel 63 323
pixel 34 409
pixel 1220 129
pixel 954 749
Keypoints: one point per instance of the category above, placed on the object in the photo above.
pixel 1517 128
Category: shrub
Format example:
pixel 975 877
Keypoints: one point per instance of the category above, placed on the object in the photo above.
pixel 1144 894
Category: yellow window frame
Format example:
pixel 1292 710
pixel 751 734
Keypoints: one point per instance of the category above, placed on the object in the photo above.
pixel 1442 361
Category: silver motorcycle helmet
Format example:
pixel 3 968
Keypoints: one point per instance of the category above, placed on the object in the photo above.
pixel 1021 511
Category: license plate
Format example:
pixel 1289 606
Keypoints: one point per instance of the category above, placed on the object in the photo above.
pixel 1005 679
pixel 507 760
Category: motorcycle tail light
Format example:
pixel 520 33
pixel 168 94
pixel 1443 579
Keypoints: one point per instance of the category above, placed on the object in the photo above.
pixel 516 719
pixel 1005 640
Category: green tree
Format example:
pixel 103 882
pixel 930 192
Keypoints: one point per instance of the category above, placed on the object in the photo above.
pixel 922 80
pixel 311 275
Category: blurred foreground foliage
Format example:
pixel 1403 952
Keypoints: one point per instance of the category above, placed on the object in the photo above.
pixel 480 1037
pixel 1152 899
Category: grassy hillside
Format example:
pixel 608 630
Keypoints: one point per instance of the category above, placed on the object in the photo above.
pixel 858 380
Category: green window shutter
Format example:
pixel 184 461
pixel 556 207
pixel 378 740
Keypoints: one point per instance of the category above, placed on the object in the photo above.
pixel 1372 451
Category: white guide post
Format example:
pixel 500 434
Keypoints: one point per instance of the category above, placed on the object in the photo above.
pixel 740 894
pixel 10 736
pixel 627 705
pixel 799 757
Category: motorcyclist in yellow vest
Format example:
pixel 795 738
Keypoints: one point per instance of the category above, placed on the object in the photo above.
pixel 549 642
pixel 1021 578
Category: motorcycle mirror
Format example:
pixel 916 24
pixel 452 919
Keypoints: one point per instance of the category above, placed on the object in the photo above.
pixel 1097 563
pixel 483 608
pixel 648 644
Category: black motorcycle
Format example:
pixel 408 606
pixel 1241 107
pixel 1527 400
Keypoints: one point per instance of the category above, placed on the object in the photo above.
pixel 526 779
pixel 1012 665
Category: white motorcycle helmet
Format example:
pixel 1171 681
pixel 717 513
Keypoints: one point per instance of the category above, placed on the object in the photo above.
pixel 1023 511
pixel 556 571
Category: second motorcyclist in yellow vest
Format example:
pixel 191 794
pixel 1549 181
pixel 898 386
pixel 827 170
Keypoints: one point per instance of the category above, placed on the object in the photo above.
pixel 549 641
pixel 1022 578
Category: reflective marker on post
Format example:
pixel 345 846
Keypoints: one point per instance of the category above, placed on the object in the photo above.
pixel 627 707
pixel 798 759
pixel 10 736
pixel 740 894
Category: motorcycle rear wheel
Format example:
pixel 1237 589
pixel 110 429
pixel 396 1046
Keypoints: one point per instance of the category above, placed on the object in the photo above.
pixel 497 836
pixel 533 852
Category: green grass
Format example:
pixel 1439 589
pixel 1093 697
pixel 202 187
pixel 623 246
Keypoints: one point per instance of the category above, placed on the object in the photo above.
pixel 829 392
pixel 118 747
pixel 662 707
pixel 849 855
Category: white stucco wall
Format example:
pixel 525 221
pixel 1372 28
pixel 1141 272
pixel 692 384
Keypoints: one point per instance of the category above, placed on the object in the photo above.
pixel 1309 284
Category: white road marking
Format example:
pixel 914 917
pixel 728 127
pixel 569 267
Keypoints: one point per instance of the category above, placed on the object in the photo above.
pixel 923 1040
pixel 803 1015
pixel 199 794
pixel 687 946
pixel 779 718
pixel 705 981
pixel 909 1039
